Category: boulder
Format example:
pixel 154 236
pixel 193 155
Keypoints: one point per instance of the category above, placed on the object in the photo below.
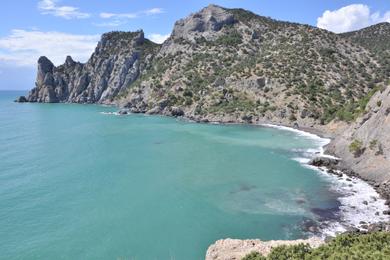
pixel 324 161
pixel 177 111
pixel 124 111
pixel 21 99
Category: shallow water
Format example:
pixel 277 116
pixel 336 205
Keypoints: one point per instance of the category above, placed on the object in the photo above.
pixel 77 183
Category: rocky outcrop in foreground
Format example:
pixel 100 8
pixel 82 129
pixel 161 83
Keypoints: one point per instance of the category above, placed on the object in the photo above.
pixel 236 249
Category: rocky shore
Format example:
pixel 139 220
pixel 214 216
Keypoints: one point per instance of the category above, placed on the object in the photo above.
pixel 236 249
pixel 331 131
pixel 327 163
pixel 336 167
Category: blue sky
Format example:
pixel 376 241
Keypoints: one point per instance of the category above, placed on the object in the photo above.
pixel 55 28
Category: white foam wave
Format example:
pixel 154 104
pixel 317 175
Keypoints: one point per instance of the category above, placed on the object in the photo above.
pixel 360 203
pixel 321 142
pixel 110 113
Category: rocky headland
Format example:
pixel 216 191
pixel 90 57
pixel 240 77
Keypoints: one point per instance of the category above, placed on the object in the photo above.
pixel 233 66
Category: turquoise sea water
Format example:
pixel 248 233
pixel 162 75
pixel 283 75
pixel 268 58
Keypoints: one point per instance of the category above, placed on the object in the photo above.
pixel 79 184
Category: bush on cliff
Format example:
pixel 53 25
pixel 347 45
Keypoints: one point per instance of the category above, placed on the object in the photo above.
pixel 346 246
pixel 356 147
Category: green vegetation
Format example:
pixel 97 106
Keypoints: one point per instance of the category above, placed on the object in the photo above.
pixel 266 62
pixel 345 246
pixel 373 144
pixel 351 110
pixel 231 38
pixel 375 38
pixel 356 147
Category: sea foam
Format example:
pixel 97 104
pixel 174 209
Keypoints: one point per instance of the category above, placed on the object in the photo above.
pixel 360 204
pixel 110 113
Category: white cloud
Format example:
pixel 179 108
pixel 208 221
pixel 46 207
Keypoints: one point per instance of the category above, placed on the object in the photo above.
pixel 67 12
pixel 112 15
pixel 350 18
pixel 158 38
pixel 121 18
pixel 23 48
pixel 153 11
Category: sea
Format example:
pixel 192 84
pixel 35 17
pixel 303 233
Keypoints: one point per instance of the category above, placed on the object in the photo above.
pixel 82 182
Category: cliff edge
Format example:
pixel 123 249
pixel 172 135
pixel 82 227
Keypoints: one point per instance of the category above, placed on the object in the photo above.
pixel 364 145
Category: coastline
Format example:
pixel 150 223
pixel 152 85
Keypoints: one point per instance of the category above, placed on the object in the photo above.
pixel 344 180
pixel 361 205
pixel 351 221
pixel 331 167
pixel 306 131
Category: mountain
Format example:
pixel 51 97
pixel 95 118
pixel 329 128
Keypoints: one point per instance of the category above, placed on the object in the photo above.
pixel 375 38
pixel 219 64
pixel 119 59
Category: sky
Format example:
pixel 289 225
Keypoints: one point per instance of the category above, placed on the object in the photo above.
pixel 56 28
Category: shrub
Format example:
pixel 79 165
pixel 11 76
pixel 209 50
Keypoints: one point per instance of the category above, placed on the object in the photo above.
pixel 232 38
pixel 292 117
pixel 290 252
pixel 187 93
pixel 356 147
pixel 346 246
pixel 373 143
pixel 254 256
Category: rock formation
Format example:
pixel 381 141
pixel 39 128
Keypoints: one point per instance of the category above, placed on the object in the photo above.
pixel 365 144
pixel 117 62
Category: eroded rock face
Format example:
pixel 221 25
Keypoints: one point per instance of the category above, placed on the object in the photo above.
pixel 211 18
pixel 117 62
pixel 372 130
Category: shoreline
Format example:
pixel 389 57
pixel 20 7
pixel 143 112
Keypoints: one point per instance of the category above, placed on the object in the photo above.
pixel 305 130
pixel 361 204
pixel 336 176
pixel 237 248
pixel 321 133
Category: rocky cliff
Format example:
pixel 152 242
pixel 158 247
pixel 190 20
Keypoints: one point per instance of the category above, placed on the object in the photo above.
pixel 364 145
pixel 118 60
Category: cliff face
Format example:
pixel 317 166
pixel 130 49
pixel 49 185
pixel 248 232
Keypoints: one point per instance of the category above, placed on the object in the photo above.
pixel 365 144
pixel 117 62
